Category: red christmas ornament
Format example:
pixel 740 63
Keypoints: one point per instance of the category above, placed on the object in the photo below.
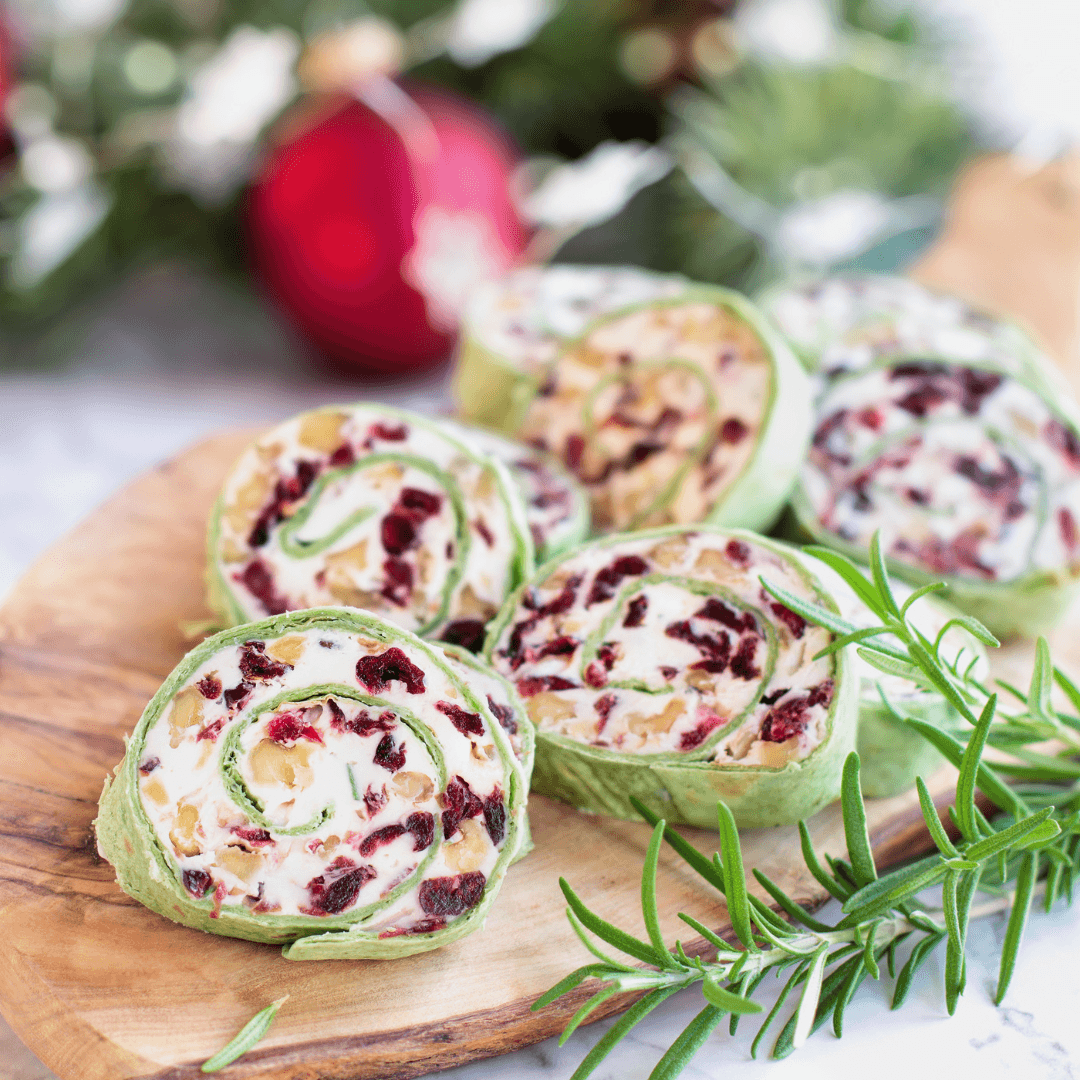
pixel 370 226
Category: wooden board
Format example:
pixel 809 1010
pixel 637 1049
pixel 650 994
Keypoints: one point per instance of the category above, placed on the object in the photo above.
pixel 99 987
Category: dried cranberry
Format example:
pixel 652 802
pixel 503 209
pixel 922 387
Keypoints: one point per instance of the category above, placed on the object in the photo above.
pixel 254 836
pixel 386 835
pixel 988 480
pixel 286 491
pixel 211 731
pixel 363 723
pixel 596 676
pixel 717 611
pixel 635 614
pixel 669 673
pixel 792 620
pixel 914 370
pixel 784 721
pixel 974 386
pixel 603 707
pixel 468 633
pixel 468 723
pixel 922 399
pixel 423 504
pixel 377 672
pixel 210 687
pixel 255 664
pixel 237 697
pixel 345 882
pixel 733 430
pixel 460 803
pixel 342 456
pixel 495 816
pixel 717 651
pixel 451 895
pixel 608 579
pixel 197 882
pixel 535 684
pixel 1067 524
pixel 258 579
pixel 389 755
pixel 484 531
pixel 424 926
pixel 149 765
pixel 290 727
pixel 871 418
pixel 738 553
pixel 919 498
pixel 822 694
pixel 399 580
pixel 504 714
pixel 398 533
pixel 1064 440
pixel 422 827
pixel 374 800
pixel 564 601
pixel 563 645
pixel 773 697
pixel 641 451
pixel 689 740
pixel 742 663
pixel 389 432
pixel 575 448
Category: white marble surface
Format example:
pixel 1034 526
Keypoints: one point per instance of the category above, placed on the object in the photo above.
pixel 156 372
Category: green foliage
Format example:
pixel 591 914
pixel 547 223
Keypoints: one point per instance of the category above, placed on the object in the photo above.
pixel 1038 830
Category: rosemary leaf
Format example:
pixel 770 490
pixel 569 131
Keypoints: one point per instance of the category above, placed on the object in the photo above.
pixel 855 827
pixel 1014 932
pixel 246 1038
pixel 687 1044
pixel 648 897
pixel 622 941
pixel 734 879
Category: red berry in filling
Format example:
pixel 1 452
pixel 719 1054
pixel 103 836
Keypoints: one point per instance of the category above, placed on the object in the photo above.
pixel 693 739
pixel 607 580
pixel 211 731
pixel 399 579
pixel 1064 440
pixel 398 533
pixel 742 663
pixel 1067 524
pixel 258 579
pixel 149 765
pixel 603 707
pixel 635 614
pixel 389 755
pixel 342 456
pixel 535 684
pixel 575 448
pixel 733 430
pixel 738 552
pixel 290 727
pixel 386 835
pixel 254 836
pixel 390 432
pixel 485 532
pixel 460 803
pixel 374 800
pixel 595 675
pixel 466 722
pixel 377 672
pixel 197 882
pixel 504 714
pixel 793 621
pixel 236 698
pixel 209 687
pixel 451 895
pixel 422 504
pixel 422 827
pixel 784 721
pixel 468 633
pixel 495 816
pixel 255 664
pixel 717 611
pixel 338 886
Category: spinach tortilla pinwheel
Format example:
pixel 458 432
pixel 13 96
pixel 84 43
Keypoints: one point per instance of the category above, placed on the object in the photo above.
pixel 374 508
pixel 655 665
pixel 893 754
pixel 971 474
pixel 555 505
pixel 321 779
pixel 680 410
pixel 514 327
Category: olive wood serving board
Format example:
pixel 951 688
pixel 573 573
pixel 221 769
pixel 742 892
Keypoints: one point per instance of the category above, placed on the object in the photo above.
pixel 100 987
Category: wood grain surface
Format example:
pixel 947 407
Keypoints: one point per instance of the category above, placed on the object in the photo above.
pixel 99 987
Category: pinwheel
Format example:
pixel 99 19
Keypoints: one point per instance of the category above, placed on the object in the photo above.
pixel 656 665
pixel 972 475
pixel 373 508
pixel 324 780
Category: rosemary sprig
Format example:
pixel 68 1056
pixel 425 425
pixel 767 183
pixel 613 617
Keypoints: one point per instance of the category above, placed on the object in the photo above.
pixel 1036 833
pixel 247 1037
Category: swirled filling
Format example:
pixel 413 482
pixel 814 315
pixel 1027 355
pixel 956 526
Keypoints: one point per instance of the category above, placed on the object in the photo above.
pixel 527 315
pixel 965 471
pixel 656 412
pixel 670 645
pixel 362 508
pixel 322 774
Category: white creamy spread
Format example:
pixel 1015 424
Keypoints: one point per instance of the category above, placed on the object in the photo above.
pixel 327 508
pixel 366 798
pixel 701 661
